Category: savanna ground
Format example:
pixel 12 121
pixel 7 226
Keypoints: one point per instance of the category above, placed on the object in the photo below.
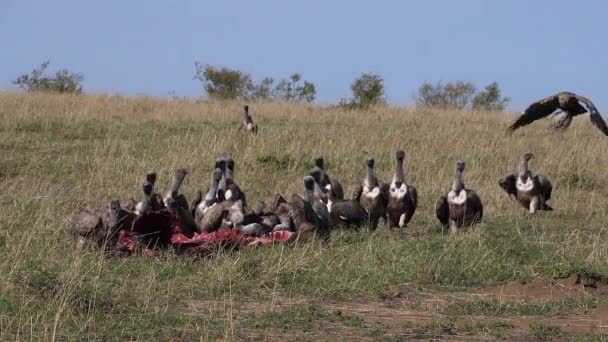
pixel 512 277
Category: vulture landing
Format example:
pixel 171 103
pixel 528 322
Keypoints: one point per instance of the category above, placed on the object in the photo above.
pixel 571 106
pixel 531 191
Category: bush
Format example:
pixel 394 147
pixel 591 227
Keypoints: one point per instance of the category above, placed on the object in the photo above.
pixel 292 90
pixel 64 81
pixel 367 90
pixel 225 83
pixel 232 84
pixel 452 95
pixel 490 99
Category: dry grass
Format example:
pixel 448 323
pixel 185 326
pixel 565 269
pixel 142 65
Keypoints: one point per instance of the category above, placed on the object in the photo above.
pixel 60 153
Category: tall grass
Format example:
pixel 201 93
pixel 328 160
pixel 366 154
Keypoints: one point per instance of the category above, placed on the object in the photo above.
pixel 59 153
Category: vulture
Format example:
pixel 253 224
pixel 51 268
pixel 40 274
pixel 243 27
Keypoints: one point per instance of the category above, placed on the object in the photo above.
pixel 100 225
pixel 227 184
pixel 155 202
pixel 402 199
pixel 531 191
pixel 177 204
pixel 460 206
pixel 347 212
pixel 373 197
pixel 248 124
pixel 173 193
pixel 571 105
pixel 327 183
pixel 305 214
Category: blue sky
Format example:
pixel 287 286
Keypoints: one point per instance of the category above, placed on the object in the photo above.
pixel 532 48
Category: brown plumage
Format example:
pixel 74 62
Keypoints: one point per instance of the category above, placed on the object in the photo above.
pixel 347 213
pixel 327 183
pixel 374 196
pixel 531 191
pixel 176 183
pixel 569 103
pixel 460 206
pixel 402 198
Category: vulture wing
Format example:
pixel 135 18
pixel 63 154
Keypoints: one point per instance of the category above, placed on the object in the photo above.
pixel 507 183
pixel 594 115
pixel 443 211
pixel 474 201
pixel 535 111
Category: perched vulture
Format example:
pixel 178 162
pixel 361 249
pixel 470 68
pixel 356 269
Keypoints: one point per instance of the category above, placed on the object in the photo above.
pixel 460 206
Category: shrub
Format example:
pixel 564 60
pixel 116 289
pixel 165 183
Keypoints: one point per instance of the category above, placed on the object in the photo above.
pixel 292 90
pixel 232 84
pixel 452 95
pixel 64 81
pixel 224 83
pixel 490 98
pixel 367 90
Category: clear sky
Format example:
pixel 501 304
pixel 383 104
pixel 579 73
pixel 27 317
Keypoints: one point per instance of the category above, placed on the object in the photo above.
pixel 533 48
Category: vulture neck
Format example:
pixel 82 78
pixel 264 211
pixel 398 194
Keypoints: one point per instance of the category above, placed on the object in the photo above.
pixel 458 184
pixel 523 171
pixel 371 180
pixel 146 199
pixel 398 177
pixel 213 187
pixel 178 179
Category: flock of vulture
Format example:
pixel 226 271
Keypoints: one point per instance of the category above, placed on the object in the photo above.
pixel 222 211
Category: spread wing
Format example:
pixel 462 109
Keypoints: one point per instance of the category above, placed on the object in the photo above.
pixel 443 210
pixel 594 114
pixel 535 111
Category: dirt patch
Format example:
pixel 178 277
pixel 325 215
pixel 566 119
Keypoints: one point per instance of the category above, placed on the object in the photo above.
pixel 541 288
pixel 414 313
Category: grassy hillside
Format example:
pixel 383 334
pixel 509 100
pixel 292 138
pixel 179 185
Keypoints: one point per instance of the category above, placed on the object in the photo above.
pixel 61 153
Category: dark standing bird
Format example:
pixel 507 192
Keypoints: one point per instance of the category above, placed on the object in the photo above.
pixel 373 196
pixel 347 212
pixel 327 183
pixel 155 202
pixel 403 198
pixel 176 183
pixel 531 191
pixel 248 124
pixel 460 206
pixel 569 103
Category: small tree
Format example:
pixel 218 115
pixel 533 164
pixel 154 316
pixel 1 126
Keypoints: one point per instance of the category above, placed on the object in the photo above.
pixel 292 90
pixel 367 90
pixel 225 83
pixel 64 81
pixel 490 99
pixel 263 91
pixel 456 95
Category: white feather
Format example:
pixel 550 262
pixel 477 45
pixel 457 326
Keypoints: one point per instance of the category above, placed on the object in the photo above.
pixel 457 198
pixel 401 220
pixel 400 192
pixel 371 194
pixel 524 186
